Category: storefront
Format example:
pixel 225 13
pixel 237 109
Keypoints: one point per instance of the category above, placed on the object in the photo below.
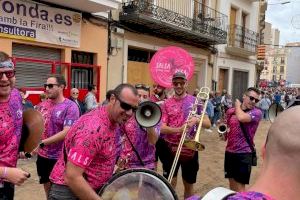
pixel 43 39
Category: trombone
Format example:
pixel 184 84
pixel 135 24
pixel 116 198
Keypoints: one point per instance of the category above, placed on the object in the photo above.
pixel 222 127
pixel 193 144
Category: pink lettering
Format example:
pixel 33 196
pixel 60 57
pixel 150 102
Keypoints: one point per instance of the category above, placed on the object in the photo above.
pixel 79 159
pixel 86 160
pixel 73 157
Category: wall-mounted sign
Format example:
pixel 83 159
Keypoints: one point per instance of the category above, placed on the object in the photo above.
pixel 38 22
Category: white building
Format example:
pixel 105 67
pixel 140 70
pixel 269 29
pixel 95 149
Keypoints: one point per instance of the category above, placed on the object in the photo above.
pixel 235 66
pixel 293 63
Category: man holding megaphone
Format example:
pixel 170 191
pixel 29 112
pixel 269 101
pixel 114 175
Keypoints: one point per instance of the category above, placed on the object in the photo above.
pixel 141 133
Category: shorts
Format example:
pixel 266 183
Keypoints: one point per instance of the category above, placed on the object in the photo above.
pixel 44 167
pixel 189 168
pixel 160 147
pixel 61 192
pixel 238 166
pixel 7 191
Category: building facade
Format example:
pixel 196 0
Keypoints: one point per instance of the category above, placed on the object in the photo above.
pixel 293 63
pixel 56 37
pixel 236 62
pixel 275 69
pixel 142 27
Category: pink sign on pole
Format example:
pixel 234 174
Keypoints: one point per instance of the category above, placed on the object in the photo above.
pixel 169 60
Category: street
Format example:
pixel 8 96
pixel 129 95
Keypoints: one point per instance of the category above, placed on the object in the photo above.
pixel 210 174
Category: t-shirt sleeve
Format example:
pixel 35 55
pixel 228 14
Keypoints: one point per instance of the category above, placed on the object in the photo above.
pixel 72 115
pixel 255 115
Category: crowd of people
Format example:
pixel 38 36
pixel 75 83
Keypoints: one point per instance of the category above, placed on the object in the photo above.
pixel 85 143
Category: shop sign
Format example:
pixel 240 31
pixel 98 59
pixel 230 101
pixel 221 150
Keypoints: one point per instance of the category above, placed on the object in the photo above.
pixel 38 22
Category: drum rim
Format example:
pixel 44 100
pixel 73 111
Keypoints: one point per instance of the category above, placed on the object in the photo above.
pixel 127 171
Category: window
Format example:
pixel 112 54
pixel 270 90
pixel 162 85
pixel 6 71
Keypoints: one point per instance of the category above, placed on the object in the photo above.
pixel 282 60
pixel 274 78
pixel 82 76
pixel 281 69
pixel 140 55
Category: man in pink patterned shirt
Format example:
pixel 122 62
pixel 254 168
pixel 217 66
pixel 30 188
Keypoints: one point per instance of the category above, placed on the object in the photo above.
pixel 59 114
pixel 141 139
pixel 242 121
pixel 11 110
pixel 91 148
pixel 175 113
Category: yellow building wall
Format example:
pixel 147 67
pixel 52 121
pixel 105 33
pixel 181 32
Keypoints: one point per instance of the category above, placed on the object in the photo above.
pixel 93 40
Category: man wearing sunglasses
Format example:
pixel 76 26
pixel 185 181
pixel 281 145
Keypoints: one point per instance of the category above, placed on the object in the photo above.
pixel 175 113
pixel 242 121
pixel 10 128
pixel 59 114
pixel 138 142
pixel 91 148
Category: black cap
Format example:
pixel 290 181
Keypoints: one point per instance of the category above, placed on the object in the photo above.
pixel 179 75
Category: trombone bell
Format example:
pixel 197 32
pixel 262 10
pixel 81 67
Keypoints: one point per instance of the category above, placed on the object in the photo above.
pixel 194 145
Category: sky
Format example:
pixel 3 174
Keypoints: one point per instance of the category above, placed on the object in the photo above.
pixel 286 18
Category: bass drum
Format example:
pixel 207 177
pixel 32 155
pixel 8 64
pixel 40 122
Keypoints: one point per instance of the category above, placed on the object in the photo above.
pixel 137 184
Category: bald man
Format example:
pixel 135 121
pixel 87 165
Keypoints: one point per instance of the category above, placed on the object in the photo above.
pixel 74 97
pixel 280 175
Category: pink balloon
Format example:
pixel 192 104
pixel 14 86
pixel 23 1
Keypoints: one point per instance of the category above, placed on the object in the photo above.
pixel 169 60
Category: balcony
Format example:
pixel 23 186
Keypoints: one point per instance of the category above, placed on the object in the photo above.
pixel 242 41
pixel 198 26
pixel 90 6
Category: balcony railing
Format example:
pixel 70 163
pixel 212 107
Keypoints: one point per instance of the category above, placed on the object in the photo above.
pixel 197 24
pixel 243 38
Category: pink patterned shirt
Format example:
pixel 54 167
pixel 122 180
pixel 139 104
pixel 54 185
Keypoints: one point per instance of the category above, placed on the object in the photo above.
pixel 56 117
pixel 236 142
pixel 138 137
pixel 175 113
pixel 10 129
pixel 93 144
pixel 249 196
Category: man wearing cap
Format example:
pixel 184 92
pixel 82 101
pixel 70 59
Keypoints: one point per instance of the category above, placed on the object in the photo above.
pixel 10 129
pixel 175 113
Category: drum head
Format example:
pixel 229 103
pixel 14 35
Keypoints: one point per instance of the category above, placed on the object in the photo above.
pixel 137 184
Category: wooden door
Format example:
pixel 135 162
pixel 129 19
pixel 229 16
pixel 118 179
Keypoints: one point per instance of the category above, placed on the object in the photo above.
pixel 193 84
pixel 221 79
pixel 232 26
pixel 138 72
pixel 240 83
pixel 244 17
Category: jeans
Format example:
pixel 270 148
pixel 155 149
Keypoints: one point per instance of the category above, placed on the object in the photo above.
pixel 265 114
pixel 61 192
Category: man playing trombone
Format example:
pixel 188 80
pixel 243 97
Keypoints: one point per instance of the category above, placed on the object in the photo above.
pixel 175 113
pixel 242 122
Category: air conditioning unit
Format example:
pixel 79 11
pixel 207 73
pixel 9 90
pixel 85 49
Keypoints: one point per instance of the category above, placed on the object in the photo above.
pixel 118 30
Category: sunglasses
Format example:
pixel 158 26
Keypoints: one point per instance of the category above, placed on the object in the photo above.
pixel 142 86
pixel 125 106
pixel 75 93
pixel 8 74
pixel 50 85
pixel 253 99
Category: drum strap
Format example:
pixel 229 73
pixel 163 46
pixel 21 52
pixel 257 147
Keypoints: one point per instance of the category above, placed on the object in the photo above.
pixel 135 151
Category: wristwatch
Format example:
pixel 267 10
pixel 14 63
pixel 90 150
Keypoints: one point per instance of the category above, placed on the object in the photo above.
pixel 41 145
